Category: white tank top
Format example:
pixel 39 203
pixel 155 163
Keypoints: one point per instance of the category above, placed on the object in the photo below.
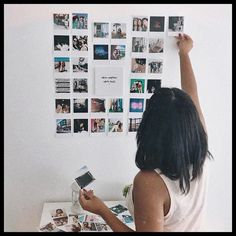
pixel 187 212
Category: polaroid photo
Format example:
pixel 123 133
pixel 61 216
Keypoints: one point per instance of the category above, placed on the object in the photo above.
pixel 140 23
pixel 137 85
pixel 115 125
pixel 60 221
pixel 118 30
pixel 80 43
pixel 62 105
pixel 61 21
pixel 153 85
pixel 101 30
pixel 73 218
pixel 63 126
pixel 175 25
pixel 115 105
pixel 75 227
pixel 156 45
pixel 100 52
pixel 138 65
pixel 157 24
pixel 93 218
pixel 62 85
pixel 136 105
pixel 134 123
pixel 98 125
pixel 103 227
pixel 80 21
pixel 80 64
pixel 60 212
pixel 139 44
pixel 62 43
pixel 49 227
pixel 118 209
pixel 80 125
pixel 127 219
pixel 117 52
pixel 83 177
pixel 88 226
pixel 80 105
pixel 155 66
pixel 80 85
pixel 98 105
pixel 61 64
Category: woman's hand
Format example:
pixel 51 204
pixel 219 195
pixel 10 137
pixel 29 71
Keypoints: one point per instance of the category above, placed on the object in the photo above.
pixel 90 202
pixel 185 43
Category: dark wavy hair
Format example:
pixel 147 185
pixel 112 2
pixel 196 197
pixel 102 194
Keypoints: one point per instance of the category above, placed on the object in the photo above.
pixel 171 137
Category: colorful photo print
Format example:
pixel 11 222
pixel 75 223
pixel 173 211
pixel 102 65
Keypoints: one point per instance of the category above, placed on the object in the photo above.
pixel 134 124
pixel 80 21
pixel 80 105
pixel 61 64
pixel 155 66
pixel 127 219
pixel 139 44
pixel 137 85
pixel 60 212
pixel 157 23
pixel 62 105
pixel 62 85
pixel 101 30
pixel 80 64
pixel 63 126
pixel 80 43
pixel 89 226
pixel 118 31
pixel 80 125
pixel 98 125
pixel 153 85
pixel 61 43
pixel 140 24
pixel 117 52
pixel 103 227
pixel 100 52
pixel 76 227
pixel 60 221
pixel 80 85
pixel 138 65
pixel 118 209
pixel 176 25
pixel 98 105
pixel 115 125
pixel 115 105
pixel 136 104
pixel 156 45
pixel 61 21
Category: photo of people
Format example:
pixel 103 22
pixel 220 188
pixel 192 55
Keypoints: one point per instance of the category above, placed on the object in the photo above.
pixel 73 227
pixel 127 219
pixel 137 85
pixel 156 45
pixel 102 227
pixel 134 124
pixel 117 52
pixel 115 105
pixel 118 31
pixel 138 65
pixel 61 21
pixel 58 213
pixel 63 125
pixel 89 226
pixel 80 125
pixel 80 21
pixel 98 105
pixel 80 105
pixel 80 43
pixel 100 52
pixel 140 24
pixel 176 24
pixel 62 105
pixel 118 208
pixel 139 44
pixel 80 64
pixel 61 64
pixel 157 23
pixel 98 125
pixel 73 218
pixel 61 43
pixel 101 30
pixel 60 221
pixel 62 85
pixel 136 105
pixel 115 125
pixel 80 85
pixel 50 227
pixel 153 85
pixel 155 66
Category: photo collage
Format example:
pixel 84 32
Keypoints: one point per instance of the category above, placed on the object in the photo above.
pixel 80 45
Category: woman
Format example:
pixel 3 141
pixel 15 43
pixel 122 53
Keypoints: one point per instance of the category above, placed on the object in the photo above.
pixel 168 194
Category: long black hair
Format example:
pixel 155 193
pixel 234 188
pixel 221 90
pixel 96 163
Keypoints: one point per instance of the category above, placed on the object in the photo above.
pixel 171 137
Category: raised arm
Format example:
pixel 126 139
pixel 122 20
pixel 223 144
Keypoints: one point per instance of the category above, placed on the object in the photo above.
pixel 188 81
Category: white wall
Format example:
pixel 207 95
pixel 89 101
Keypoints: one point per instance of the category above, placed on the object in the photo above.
pixel 39 167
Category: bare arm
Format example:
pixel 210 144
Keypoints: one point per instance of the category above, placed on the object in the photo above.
pixel 188 81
